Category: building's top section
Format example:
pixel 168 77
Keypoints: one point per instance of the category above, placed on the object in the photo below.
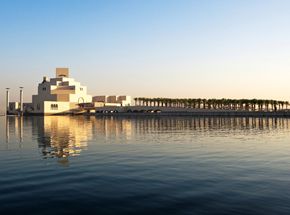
pixel 62 72
pixel 61 89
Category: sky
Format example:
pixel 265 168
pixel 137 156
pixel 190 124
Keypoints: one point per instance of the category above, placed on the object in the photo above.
pixel 149 48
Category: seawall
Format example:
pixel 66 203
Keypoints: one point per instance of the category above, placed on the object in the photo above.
pixel 162 111
pixel 202 114
pixel 165 111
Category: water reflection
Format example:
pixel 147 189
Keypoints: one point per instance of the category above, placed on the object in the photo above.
pixel 7 129
pixel 14 126
pixel 63 136
pixel 112 127
pixel 199 164
pixel 209 124
pixel 20 128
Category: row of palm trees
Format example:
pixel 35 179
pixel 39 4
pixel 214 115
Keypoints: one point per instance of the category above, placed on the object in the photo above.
pixel 229 104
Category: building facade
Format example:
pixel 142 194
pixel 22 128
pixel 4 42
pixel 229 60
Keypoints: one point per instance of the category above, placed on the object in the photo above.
pixel 63 95
pixel 115 101
pixel 58 95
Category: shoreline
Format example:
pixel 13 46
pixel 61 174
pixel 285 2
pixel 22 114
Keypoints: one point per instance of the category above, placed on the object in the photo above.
pixel 167 111
pixel 201 114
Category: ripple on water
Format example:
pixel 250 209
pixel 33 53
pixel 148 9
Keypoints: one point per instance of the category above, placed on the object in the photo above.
pixel 178 165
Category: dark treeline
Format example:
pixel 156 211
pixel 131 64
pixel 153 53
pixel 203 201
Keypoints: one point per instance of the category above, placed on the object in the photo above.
pixel 224 104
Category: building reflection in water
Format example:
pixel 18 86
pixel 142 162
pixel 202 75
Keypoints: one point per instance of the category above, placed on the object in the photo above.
pixel 64 136
pixel 61 136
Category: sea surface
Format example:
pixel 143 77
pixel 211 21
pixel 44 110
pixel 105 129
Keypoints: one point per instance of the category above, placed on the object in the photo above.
pixel 144 165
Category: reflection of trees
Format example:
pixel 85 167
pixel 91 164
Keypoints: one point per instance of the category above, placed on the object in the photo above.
pixel 126 127
pixel 111 127
pixel 207 124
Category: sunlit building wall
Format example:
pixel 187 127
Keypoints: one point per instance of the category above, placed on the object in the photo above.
pixel 59 95
pixel 113 100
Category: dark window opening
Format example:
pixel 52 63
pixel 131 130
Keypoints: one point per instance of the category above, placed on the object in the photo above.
pixel 54 106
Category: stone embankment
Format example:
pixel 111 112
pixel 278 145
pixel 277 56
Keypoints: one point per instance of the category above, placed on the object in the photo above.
pixel 166 111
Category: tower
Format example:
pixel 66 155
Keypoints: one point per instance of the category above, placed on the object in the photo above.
pixel 7 100
pixel 21 100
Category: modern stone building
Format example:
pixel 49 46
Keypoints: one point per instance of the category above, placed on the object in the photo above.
pixel 61 94
pixel 115 101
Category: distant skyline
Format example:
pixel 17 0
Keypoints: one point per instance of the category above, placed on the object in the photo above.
pixel 149 48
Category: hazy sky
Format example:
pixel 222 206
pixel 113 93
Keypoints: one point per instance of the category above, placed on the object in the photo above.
pixel 156 48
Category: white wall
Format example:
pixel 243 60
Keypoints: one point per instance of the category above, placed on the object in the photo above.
pixel 62 107
pixel 65 92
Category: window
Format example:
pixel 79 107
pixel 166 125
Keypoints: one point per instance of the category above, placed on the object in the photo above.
pixel 44 88
pixel 38 107
pixel 54 106
pixel 81 89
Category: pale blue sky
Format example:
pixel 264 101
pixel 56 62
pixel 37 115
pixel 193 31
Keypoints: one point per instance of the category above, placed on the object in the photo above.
pixel 162 48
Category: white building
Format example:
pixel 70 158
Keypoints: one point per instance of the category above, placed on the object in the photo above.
pixel 61 94
pixel 116 101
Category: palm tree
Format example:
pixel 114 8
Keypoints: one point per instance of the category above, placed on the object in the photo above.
pixel 135 99
pixel 232 104
pixel 203 103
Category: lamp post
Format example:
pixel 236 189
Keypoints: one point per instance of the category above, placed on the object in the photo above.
pixel 21 100
pixel 7 101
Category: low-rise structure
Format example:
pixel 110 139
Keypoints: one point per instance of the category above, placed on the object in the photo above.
pixel 115 101
pixel 14 107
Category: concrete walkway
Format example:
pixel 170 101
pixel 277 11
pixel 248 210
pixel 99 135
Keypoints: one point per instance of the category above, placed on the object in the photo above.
pixel 167 111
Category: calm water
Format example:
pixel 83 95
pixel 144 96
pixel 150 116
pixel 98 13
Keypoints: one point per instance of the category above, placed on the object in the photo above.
pixel 88 165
